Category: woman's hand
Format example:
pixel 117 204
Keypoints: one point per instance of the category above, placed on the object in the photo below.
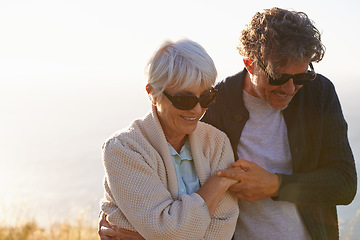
pixel 213 189
pixel 109 231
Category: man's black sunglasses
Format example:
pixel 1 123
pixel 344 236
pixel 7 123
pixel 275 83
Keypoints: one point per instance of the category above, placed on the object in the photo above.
pixel 299 79
pixel 187 101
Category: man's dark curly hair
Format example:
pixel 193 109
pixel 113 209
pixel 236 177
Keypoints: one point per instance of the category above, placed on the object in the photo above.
pixel 277 36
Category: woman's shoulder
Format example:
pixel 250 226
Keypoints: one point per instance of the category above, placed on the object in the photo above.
pixel 128 136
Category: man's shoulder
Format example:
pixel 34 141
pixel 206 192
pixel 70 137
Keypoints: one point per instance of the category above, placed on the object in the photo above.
pixel 230 89
pixel 231 81
pixel 228 102
pixel 320 87
pixel 314 96
pixel 321 81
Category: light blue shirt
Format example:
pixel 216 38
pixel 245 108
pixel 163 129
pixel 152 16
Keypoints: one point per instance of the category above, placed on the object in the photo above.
pixel 188 181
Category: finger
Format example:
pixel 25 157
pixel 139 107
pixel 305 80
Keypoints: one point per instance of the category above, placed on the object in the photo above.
pixel 224 173
pixel 103 237
pixel 239 165
pixel 233 173
pixel 238 162
pixel 109 232
pixel 103 218
pixel 104 223
pixel 242 163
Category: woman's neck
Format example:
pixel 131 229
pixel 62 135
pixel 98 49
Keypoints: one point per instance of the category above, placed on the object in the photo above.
pixel 176 142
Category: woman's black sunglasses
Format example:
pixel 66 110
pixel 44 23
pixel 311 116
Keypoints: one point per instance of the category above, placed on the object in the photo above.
pixel 187 101
pixel 299 79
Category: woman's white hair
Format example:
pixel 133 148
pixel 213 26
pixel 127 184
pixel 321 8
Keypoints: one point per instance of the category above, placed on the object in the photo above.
pixel 182 64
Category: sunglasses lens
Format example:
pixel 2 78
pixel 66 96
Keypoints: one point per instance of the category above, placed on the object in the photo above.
pixel 184 102
pixel 189 101
pixel 299 79
pixel 279 81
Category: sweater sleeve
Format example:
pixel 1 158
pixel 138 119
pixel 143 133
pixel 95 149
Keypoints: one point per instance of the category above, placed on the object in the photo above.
pixel 137 190
pixel 223 221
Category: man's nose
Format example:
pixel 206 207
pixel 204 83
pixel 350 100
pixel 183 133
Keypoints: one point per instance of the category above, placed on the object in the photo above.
pixel 289 87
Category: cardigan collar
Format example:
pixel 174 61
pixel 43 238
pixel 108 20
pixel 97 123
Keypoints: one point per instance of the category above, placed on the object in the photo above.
pixel 156 137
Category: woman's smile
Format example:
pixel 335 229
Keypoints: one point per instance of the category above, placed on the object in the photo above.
pixel 189 118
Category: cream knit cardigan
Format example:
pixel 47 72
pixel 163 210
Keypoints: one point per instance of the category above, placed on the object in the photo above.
pixel 141 188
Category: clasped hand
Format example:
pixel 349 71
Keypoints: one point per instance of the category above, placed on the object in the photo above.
pixel 254 182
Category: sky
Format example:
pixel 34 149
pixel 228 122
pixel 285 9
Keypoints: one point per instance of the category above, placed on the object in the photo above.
pixel 72 73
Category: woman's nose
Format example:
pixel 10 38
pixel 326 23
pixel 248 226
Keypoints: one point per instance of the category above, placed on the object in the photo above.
pixel 197 108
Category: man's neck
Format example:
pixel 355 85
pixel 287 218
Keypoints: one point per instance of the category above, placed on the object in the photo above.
pixel 248 86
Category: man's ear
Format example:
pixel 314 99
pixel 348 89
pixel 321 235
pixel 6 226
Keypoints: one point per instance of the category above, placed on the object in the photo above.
pixel 149 92
pixel 249 65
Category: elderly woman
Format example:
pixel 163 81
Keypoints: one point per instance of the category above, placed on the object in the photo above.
pixel 160 177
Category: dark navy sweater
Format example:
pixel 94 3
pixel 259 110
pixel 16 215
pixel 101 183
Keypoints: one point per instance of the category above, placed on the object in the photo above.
pixel 324 173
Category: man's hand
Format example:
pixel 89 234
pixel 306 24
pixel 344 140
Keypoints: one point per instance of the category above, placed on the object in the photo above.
pixel 255 183
pixel 109 231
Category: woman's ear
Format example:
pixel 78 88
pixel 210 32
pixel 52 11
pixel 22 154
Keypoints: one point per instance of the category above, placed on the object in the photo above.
pixel 149 92
pixel 249 65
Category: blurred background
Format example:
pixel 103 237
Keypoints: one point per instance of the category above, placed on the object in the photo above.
pixel 72 73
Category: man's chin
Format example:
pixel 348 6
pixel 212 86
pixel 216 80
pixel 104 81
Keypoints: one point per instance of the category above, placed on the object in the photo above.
pixel 278 106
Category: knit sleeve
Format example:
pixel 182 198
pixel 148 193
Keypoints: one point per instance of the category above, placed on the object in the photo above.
pixel 223 221
pixel 142 197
